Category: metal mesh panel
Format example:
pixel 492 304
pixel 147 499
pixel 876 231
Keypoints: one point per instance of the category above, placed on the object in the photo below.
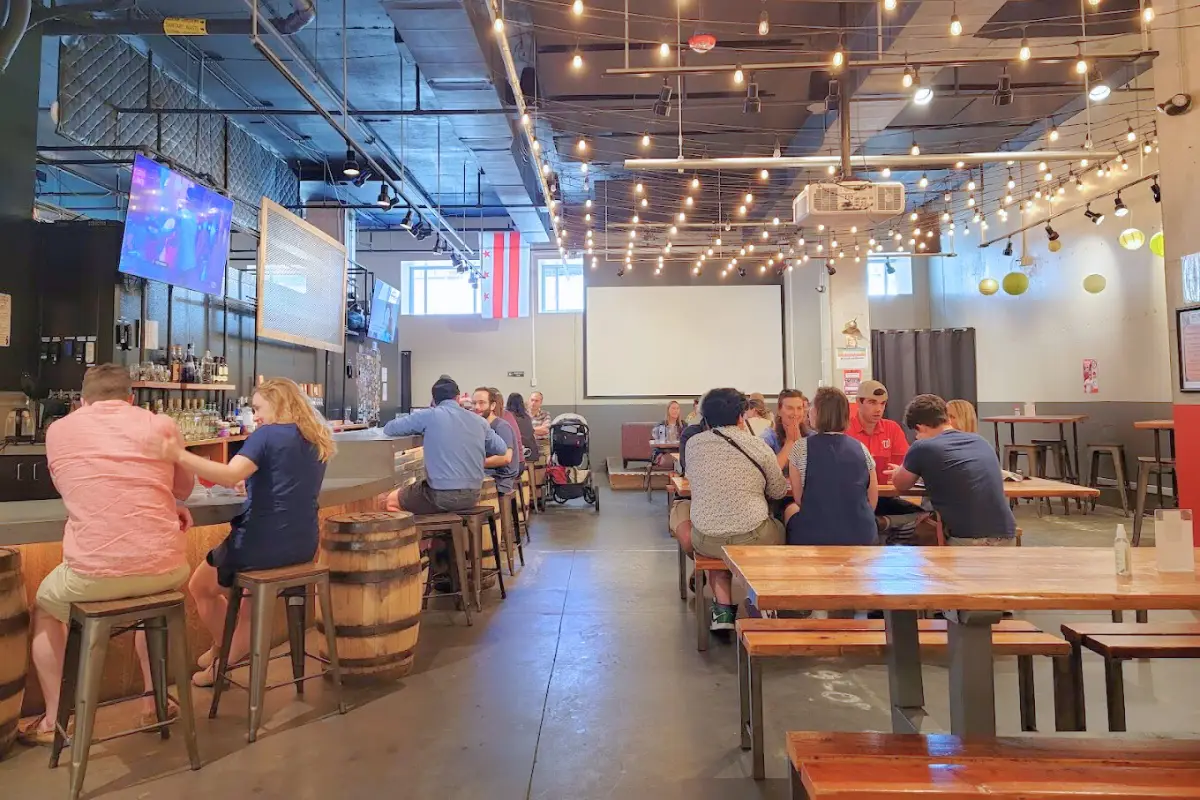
pixel 99 74
pixel 301 281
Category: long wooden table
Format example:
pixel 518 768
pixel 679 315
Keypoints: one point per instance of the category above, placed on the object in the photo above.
pixel 1030 488
pixel 972 585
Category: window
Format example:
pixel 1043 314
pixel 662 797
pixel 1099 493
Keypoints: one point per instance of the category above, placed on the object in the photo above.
pixel 561 286
pixel 435 287
pixel 889 276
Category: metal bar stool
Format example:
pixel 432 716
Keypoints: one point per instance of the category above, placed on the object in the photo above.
pixel 264 586
pixel 91 625
pixel 474 518
pixel 1012 455
pixel 514 517
pixel 1116 452
pixel 450 529
pixel 527 504
pixel 1055 449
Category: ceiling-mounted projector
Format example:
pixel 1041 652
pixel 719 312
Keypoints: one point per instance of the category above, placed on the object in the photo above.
pixel 848 203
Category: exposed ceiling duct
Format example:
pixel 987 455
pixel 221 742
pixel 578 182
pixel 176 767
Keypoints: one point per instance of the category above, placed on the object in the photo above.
pixel 16 20
pixel 864 161
pixel 98 20
pixel 450 46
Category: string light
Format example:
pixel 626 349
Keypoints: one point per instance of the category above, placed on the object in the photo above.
pixel 738 77
pixel 695 183
pixel 764 22
pixel 915 149
pixel 889 5
pixel 971 185
pixel 639 188
pixel 906 80
pixel 1130 135
pixel 689 201
pixel 839 56
pixel 577 7
pixel 923 182
pixel 1147 13
pixel 764 175
pixel 581 146
pixel 498 25
pixel 577 60
pixel 1024 53
pixel 645 140
pixel 749 197
pixel 956 28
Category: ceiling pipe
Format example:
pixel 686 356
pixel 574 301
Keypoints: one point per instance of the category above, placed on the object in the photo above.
pixel 878 63
pixel 308 112
pixel 303 13
pixel 451 234
pixel 867 160
pixel 15 23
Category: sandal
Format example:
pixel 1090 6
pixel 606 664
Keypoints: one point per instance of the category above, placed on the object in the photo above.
pixel 205 678
pixel 207 658
pixel 149 718
pixel 29 734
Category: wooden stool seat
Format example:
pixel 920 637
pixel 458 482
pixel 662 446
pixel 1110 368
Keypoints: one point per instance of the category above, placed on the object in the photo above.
pixel 704 565
pixel 433 521
pixel 262 588
pixel 1162 463
pixel 90 627
pixel 128 605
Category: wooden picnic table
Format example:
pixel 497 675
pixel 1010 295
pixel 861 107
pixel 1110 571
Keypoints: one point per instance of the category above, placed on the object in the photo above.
pixel 971 585
pixel 1060 420
pixel 1158 426
pixel 1029 488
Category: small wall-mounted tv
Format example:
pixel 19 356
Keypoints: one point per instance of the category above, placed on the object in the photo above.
pixel 385 310
pixel 176 231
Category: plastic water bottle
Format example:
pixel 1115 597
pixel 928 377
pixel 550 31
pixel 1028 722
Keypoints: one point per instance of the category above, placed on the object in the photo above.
pixel 1122 553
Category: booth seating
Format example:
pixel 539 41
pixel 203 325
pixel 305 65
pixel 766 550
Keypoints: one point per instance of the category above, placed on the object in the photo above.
pixel 635 442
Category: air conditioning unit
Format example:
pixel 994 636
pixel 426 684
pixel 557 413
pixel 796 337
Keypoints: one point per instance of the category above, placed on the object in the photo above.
pixel 851 203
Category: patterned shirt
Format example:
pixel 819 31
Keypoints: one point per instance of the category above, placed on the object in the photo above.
pixel 799 457
pixel 729 495
pixel 541 419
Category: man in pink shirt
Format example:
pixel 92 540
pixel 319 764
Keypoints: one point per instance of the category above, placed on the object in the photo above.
pixel 124 535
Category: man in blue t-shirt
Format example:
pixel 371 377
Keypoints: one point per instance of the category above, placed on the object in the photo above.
pixel 961 475
pixel 503 468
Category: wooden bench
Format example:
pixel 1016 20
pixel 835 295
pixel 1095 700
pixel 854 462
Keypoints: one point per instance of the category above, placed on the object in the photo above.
pixel 824 638
pixel 704 564
pixel 1162 641
pixel 862 766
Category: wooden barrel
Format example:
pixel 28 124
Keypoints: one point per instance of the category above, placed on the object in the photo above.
pixel 374 561
pixel 14 645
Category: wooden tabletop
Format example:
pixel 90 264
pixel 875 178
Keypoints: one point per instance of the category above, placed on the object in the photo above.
pixel 1042 418
pixel 664 445
pixel 1028 488
pixel 1155 424
pixel 964 578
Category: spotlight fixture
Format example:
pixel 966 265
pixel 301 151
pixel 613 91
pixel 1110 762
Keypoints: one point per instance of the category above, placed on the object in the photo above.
pixel 1156 191
pixel 1051 234
pixel 833 98
pixel 1003 96
pixel 384 200
pixel 1098 88
pixel 752 104
pixel 406 223
pixel 829 268
pixel 350 168
pixel 741 272
pixel 923 96
pixel 1119 207
pixel 955 23
pixel 662 106
pixel 1095 218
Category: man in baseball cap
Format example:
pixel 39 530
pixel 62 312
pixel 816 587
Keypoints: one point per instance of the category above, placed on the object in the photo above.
pixel 885 439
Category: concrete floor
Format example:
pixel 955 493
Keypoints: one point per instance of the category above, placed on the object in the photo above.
pixel 584 684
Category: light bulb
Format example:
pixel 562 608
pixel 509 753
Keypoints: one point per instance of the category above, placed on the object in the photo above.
pixel 889 5
pixel 577 61
pixel 1053 135
pixel 1081 66
pixel 766 235
pixel 536 145
pixel 886 172
pixel 741 211
pixel 1012 184
pixel 1147 13
pixel 923 182
pixel 1130 135
pixel 765 175
pixel 587 203
pixel 498 25
pixel 906 80
pixel 645 140
pixel 971 185
pixel 695 183
pixel 581 146
pixel 764 23
pixel 638 188
pixel 839 58
pixel 689 201
pixel 525 119
pixel 915 150
pixel 1024 53
pixel 955 25
pixel 664 49
pixel 577 7
pixel 738 77
pixel 831 169
pixel 749 197
pixel 646 202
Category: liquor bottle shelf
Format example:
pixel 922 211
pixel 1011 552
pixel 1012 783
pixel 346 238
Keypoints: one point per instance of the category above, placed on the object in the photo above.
pixel 185 387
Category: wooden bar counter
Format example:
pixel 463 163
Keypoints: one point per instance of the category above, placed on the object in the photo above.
pixel 367 466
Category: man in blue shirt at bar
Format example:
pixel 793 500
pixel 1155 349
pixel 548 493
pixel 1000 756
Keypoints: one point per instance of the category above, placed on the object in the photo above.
pixel 456 442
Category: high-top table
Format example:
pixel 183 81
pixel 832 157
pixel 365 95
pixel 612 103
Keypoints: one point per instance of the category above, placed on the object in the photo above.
pixel 1061 420
pixel 972 585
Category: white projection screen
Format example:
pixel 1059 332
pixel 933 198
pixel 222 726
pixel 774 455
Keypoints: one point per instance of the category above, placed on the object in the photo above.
pixel 681 341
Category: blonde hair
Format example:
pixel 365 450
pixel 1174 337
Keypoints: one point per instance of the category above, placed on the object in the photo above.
pixel 758 404
pixel 963 415
pixel 291 406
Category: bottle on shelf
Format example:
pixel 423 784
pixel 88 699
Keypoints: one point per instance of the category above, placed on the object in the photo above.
pixel 175 364
pixel 206 367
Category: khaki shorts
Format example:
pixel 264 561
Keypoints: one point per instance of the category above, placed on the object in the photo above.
pixel 681 512
pixel 63 586
pixel 982 541
pixel 770 532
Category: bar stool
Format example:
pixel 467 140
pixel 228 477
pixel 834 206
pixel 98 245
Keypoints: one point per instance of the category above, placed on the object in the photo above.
pixel 1012 455
pixel 530 503
pixel 527 504
pixel 474 518
pixel 448 528
pixel 1147 466
pixel 161 616
pixel 512 502
pixel 263 586
pixel 1055 449
pixel 1116 452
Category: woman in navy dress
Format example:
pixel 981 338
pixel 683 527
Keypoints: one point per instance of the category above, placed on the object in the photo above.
pixel 282 464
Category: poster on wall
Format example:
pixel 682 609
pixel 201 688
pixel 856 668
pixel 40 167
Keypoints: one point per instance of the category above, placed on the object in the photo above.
pixel 851 378
pixel 852 358
pixel 1188 326
pixel 1091 380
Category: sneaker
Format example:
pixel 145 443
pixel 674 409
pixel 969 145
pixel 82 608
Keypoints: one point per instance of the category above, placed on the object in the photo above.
pixel 723 617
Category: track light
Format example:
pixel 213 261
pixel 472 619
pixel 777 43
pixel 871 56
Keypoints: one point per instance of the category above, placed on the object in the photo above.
pixel 1156 191
pixel 1003 96
pixel 752 104
pixel 1119 207
pixel 662 106
pixel 1008 251
pixel 406 223
pixel 1095 218
pixel 1051 234
pixel 923 95
pixel 384 200
pixel 1098 88
pixel 350 168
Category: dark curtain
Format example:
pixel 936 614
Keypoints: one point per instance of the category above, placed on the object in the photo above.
pixel 938 362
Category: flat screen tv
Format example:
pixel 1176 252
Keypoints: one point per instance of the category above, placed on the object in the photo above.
pixel 176 231
pixel 385 309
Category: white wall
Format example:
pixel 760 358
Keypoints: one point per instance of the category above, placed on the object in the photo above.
pixel 1032 346
pixel 905 311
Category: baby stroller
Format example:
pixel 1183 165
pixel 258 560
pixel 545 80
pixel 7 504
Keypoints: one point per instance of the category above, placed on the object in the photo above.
pixel 569 470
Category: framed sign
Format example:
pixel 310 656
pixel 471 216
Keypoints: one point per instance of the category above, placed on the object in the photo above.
pixel 1187 322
